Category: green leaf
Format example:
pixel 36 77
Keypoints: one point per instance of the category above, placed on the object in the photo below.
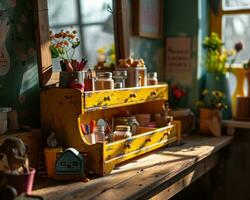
pixel 75 44
pixel 54 52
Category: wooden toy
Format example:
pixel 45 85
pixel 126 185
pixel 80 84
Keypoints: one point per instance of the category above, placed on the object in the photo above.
pixel 70 165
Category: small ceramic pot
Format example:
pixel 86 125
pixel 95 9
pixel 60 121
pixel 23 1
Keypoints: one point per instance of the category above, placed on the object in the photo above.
pixel 23 183
pixel 205 115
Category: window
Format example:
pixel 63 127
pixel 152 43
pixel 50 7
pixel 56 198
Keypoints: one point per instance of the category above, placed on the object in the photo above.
pixel 92 19
pixel 231 19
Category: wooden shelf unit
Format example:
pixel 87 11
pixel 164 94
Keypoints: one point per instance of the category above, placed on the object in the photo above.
pixel 64 109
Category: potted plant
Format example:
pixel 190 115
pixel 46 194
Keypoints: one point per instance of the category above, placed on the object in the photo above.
pixel 215 63
pixel 210 116
pixel 63 46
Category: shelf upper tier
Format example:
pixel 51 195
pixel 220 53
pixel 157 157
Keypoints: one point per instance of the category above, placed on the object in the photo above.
pixel 104 99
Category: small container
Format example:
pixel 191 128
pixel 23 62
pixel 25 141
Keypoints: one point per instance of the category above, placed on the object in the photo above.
pixel 120 77
pixel 99 132
pixel 136 76
pixel 89 84
pixel 104 81
pixel 118 85
pixel 128 121
pixel 68 78
pixel 121 132
pixel 152 78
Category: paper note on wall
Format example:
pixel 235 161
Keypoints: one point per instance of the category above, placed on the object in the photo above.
pixel 178 53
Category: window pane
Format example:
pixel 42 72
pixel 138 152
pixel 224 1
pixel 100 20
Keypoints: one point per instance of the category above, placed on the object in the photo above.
pixel 236 28
pixel 57 14
pixel 235 4
pixel 93 11
pixel 96 38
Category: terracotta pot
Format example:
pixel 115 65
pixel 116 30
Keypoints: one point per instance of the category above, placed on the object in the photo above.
pixel 205 115
pixel 23 183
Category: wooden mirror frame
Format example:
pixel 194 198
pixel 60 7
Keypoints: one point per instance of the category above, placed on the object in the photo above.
pixel 121 33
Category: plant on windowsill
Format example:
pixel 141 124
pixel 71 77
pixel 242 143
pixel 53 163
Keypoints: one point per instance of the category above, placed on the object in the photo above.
pixel 210 114
pixel 215 64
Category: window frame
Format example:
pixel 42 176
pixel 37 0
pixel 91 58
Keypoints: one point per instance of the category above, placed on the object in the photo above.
pixel 215 24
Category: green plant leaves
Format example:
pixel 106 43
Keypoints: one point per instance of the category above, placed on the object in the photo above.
pixel 54 52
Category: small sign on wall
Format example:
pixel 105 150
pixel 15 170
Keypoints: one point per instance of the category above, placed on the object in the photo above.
pixel 178 53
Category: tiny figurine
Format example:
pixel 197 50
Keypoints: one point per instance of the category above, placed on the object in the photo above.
pixel 15 150
pixel 51 140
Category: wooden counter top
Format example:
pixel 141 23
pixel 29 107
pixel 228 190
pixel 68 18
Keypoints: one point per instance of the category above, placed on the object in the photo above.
pixel 162 173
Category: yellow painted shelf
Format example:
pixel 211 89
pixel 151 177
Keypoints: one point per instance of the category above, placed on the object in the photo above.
pixel 63 110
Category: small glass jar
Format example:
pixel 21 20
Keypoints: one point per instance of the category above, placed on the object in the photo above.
pixel 120 77
pixel 152 78
pixel 104 81
pixel 121 132
pixel 118 85
pixel 128 121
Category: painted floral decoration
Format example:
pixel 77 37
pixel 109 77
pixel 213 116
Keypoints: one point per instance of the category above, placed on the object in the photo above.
pixel 217 56
pixel 212 100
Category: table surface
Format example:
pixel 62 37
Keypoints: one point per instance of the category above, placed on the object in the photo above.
pixel 140 176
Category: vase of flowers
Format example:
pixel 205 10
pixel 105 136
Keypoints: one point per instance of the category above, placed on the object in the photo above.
pixel 210 113
pixel 63 47
pixel 215 63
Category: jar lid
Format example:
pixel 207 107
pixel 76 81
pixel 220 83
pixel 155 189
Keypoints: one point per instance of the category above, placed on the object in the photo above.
pixel 104 75
pixel 120 74
pixel 122 128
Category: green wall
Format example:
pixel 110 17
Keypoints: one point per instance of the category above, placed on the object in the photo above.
pixel 181 18
pixel 19 88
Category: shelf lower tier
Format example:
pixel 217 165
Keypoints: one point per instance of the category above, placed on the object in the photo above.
pixel 104 157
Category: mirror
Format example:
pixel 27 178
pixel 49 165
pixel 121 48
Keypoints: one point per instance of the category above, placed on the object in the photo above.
pixel 93 22
pixel 75 12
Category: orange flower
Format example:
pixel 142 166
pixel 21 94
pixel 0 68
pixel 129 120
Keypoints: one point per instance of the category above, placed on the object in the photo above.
pixel 66 43
pixel 57 35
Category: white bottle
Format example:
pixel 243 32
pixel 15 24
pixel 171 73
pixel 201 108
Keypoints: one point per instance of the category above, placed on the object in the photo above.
pixel 99 133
